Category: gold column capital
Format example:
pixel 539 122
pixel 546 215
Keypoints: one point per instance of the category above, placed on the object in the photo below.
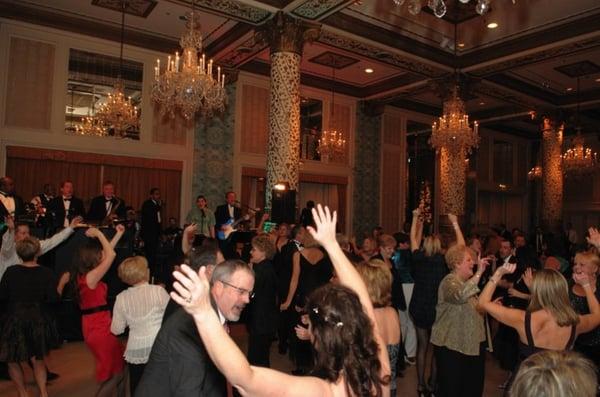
pixel 285 33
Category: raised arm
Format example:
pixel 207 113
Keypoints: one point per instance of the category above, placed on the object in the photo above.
pixel 416 230
pixel 115 240
pixel 511 317
pixel 226 355
pixel 293 282
pixel 185 239
pixel 324 234
pixel 594 238
pixel 460 239
pixel 590 321
pixel 93 277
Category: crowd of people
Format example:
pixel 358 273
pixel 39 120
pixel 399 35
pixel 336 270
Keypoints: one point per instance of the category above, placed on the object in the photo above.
pixel 350 315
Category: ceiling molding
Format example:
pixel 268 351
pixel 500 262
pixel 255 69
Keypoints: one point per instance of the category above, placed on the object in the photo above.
pixel 86 27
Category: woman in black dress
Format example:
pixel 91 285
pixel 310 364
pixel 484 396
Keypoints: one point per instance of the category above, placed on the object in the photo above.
pixel 29 332
pixel 428 270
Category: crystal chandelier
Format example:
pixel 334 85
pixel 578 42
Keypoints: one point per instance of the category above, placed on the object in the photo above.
pixel 453 131
pixel 332 144
pixel 187 83
pixel 439 6
pixel 579 160
pixel 117 117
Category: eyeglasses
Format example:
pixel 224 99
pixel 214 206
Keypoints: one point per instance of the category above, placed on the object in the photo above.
pixel 241 291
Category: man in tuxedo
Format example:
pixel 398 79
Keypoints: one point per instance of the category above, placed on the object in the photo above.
pixel 106 207
pixel 62 209
pixel 10 203
pixel 227 211
pixel 179 364
pixel 151 225
pixel 223 214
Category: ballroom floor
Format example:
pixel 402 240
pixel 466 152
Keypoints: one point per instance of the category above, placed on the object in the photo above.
pixel 75 365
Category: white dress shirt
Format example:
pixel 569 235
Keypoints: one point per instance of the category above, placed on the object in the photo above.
pixel 8 252
pixel 8 202
pixel 140 308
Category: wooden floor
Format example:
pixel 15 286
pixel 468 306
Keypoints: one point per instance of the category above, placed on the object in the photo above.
pixel 75 365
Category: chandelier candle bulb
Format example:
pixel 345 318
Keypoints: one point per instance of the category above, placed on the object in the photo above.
pixel 223 81
pixel 218 73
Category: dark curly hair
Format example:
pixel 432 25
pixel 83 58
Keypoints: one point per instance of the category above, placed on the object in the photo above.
pixel 87 257
pixel 343 341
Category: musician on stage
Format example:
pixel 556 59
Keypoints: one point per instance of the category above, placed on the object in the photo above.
pixel 106 208
pixel 62 209
pixel 10 203
pixel 203 217
pixel 40 205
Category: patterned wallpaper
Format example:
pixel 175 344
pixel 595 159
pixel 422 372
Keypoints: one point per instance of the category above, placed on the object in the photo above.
pixel 366 172
pixel 212 175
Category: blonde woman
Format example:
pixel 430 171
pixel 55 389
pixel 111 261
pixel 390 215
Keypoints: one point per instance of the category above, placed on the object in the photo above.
pixel 428 270
pixel 587 263
pixel 555 374
pixel 549 323
pixel 141 308
pixel 378 279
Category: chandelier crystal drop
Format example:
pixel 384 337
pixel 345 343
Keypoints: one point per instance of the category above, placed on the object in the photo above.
pixel 439 7
pixel 187 84
pixel 579 160
pixel 117 117
pixel 452 130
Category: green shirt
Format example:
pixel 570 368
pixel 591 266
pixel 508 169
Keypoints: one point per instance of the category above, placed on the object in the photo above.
pixel 205 222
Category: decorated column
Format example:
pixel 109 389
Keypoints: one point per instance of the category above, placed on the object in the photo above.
pixel 286 37
pixel 552 175
pixel 453 181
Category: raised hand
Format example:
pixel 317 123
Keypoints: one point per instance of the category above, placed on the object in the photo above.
pixel 581 278
pixel 528 277
pixel 192 290
pixel 594 238
pixel 452 218
pixel 92 232
pixel 75 222
pixel 120 228
pixel 482 264
pixel 416 212
pixel 190 229
pixel 507 268
pixel 324 234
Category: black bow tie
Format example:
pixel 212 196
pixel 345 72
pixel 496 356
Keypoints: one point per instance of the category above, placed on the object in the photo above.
pixel 66 199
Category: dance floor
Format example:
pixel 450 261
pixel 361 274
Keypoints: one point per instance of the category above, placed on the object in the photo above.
pixel 75 365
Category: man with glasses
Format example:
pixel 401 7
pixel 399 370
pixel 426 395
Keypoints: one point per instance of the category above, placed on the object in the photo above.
pixel 179 364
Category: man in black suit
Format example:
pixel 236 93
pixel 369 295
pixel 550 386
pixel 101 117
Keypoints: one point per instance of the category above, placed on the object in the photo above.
pixel 10 203
pixel 107 207
pixel 62 209
pixel 179 365
pixel 151 225
pixel 223 214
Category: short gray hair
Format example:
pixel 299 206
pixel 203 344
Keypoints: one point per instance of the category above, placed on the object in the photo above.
pixel 224 270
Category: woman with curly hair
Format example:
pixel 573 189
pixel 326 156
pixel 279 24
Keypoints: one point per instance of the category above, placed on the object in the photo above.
pixel 350 356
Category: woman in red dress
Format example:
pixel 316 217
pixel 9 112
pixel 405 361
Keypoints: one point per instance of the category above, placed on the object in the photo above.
pixel 92 262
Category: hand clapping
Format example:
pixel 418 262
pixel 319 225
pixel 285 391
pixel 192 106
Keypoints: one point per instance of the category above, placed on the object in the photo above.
pixel 192 290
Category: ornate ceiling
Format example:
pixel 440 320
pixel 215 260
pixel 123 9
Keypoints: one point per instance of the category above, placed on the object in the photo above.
pixel 531 61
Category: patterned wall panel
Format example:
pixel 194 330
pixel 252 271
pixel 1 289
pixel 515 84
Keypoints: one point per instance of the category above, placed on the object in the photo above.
pixel 213 154
pixel 392 130
pixel 391 192
pixel 366 172
pixel 255 119
pixel 29 84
